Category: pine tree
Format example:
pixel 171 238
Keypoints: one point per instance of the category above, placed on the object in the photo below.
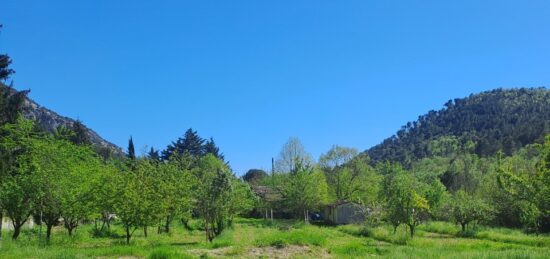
pixel 5 62
pixel 153 154
pixel 211 148
pixel 191 143
pixel 11 103
pixel 81 134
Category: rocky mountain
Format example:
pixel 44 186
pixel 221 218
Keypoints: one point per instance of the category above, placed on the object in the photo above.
pixel 50 120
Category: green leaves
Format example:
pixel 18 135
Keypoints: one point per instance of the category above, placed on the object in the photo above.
pixel 306 189
pixel 405 198
pixel 467 208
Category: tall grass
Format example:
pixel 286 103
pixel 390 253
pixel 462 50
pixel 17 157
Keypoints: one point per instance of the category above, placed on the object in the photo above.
pixel 433 240
pixel 303 235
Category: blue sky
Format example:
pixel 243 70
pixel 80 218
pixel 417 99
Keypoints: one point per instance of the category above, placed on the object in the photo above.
pixel 253 73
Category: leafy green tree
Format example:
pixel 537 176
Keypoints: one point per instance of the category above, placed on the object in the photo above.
pixel 136 197
pixel 241 199
pixel 19 178
pixel 405 198
pixel 11 103
pixel 304 189
pixel 77 192
pixel 47 204
pixel 340 178
pixel 467 208
pixel 464 172
pixel 530 189
pixel 212 194
pixel 103 200
pixel 176 186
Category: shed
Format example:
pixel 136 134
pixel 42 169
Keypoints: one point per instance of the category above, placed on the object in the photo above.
pixel 345 212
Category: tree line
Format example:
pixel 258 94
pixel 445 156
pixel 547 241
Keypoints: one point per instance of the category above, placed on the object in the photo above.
pixel 54 179
pixel 453 184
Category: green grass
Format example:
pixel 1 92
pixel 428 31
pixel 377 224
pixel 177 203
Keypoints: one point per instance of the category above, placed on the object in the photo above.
pixel 253 238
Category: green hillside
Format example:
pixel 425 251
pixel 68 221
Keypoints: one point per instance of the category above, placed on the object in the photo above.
pixel 498 120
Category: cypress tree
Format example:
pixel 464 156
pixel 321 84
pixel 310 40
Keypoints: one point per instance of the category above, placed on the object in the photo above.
pixel 131 150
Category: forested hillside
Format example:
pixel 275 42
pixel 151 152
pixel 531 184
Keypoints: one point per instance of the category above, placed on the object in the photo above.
pixel 498 120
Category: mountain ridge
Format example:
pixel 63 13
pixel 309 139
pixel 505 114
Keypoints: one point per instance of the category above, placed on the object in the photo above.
pixel 49 120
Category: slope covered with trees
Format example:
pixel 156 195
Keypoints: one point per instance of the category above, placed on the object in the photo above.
pixel 498 120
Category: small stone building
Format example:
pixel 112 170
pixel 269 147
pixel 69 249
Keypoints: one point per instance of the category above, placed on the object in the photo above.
pixel 344 212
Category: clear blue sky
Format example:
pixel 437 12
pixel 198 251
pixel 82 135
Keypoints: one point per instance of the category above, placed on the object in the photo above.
pixel 253 73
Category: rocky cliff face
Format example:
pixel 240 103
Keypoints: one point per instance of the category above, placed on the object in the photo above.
pixel 49 120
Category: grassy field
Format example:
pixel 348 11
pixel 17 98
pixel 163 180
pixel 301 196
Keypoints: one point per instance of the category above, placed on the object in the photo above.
pixel 252 238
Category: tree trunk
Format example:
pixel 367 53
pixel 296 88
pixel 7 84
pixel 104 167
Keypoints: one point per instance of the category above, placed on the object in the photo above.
pixel 16 230
pixel 185 223
pixel 145 231
pixel 463 225
pixel 271 214
pixel 71 225
pixel 167 224
pixel 411 227
pixel 48 232
pixel 1 222
pixel 206 230
pixel 127 235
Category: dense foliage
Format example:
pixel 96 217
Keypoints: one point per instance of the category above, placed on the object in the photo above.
pixel 497 120
pixel 58 181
